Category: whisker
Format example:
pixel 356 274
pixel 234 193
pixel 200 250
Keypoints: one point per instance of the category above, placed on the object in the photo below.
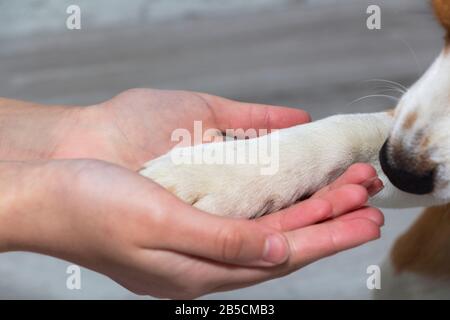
pixel 399 85
pixel 387 89
pixel 390 87
pixel 373 96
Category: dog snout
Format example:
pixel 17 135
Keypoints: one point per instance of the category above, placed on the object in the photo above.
pixel 408 172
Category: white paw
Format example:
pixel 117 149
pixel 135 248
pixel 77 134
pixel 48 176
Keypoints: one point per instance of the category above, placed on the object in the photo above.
pixel 237 190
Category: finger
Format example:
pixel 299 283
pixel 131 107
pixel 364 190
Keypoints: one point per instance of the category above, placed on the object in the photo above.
pixel 233 114
pixel 369 213
pixel 358 173
pixel 299 215
pixel 318 241
pixel 307 245
pixel 332 204
pixel 346 198
pixel 234 241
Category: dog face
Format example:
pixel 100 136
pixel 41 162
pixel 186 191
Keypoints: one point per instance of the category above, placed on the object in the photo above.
pixel 416 156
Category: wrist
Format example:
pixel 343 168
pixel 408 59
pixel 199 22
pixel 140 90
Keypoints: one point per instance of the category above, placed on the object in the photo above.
pixel 33 206
pixel 19 196
pixel 34 131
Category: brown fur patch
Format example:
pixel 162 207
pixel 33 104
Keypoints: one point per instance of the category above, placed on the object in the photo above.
pixel 424 143
pixel 410 120
pixel 442 11
pixel 425 247
pixel 422 140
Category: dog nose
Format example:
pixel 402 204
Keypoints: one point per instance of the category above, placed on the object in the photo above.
pixel 403 177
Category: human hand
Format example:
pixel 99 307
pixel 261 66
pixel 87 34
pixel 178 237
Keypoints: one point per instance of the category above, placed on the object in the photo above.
pixel 116 222
pixel 136 126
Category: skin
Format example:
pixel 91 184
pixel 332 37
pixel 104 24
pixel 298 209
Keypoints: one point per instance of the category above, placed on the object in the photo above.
pixel 72 192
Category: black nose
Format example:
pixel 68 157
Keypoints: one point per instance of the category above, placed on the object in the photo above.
pixel 408 180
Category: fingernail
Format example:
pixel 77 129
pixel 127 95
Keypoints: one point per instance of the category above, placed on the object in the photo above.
pixel 275 249
pixel 379 222
pixel 377 189
pixel 369 182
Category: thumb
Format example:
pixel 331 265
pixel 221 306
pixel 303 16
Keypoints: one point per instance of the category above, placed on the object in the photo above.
pixel 235 114
pixel 229 240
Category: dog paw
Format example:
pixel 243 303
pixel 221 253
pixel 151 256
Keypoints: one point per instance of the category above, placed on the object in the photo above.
pixel 236 190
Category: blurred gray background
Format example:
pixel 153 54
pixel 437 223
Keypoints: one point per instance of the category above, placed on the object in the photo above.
pixel 311 54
